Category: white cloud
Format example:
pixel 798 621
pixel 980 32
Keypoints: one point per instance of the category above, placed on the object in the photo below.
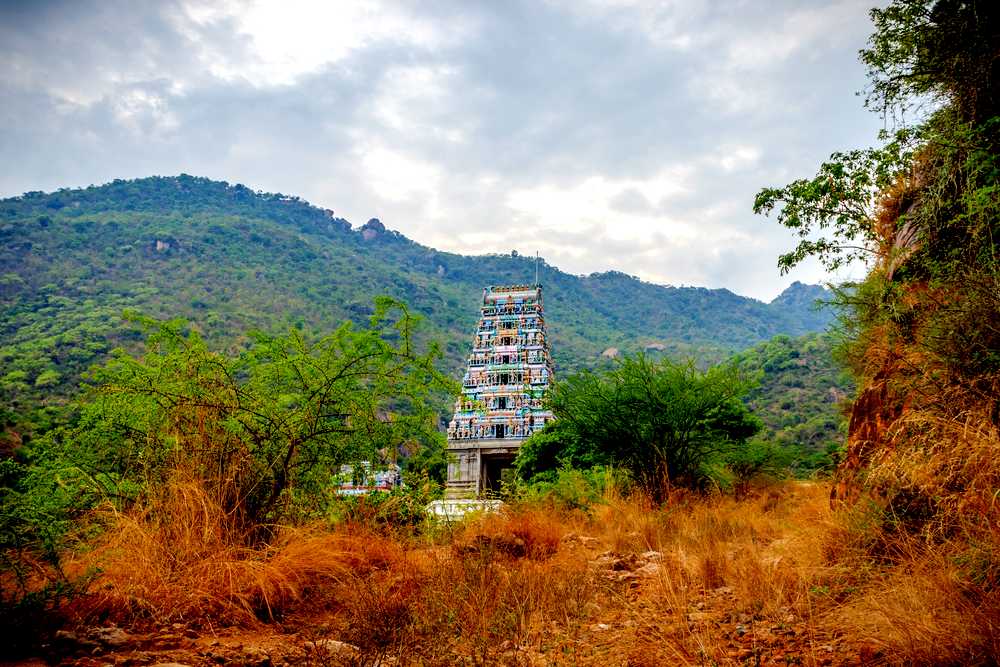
pixel 394 176
pixel 143 112
pixel 732 158
pixel 291 38
pixel 592 202
pixel 607 134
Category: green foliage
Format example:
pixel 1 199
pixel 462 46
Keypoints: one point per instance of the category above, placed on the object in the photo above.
pixel 934 50
pixel 401 508
pixel 757 460
pixel 429 462
pixel 35 515
pixel 571 488
pixel 230 260
pixel 259 429
pixel 664 422
pixel 800 398
pixel 841 199
pixel 558 446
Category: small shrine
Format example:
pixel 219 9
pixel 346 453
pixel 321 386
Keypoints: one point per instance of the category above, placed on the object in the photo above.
pixel 500 405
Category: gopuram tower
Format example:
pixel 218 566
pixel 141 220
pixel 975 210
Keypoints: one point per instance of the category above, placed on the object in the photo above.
pixel 501 401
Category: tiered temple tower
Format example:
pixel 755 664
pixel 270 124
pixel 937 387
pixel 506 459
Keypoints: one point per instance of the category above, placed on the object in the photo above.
pixel 501 402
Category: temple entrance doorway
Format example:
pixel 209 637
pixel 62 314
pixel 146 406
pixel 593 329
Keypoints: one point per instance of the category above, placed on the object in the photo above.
pixel 496 471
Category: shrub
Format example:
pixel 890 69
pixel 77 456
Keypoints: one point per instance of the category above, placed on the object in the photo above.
pixel 570 488
pixel 399 509
pixel 262 430
pixel 665 422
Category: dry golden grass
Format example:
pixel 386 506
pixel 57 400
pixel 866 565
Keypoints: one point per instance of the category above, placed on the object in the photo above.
pixel 924 611
pixel 936 599
pixel 531 533
pixel 776 578
pixel 181 561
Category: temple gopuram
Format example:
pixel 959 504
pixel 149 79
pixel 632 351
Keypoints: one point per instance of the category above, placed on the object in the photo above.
pixel 501 401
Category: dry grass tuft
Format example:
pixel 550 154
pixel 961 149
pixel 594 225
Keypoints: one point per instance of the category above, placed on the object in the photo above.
pixel 181 561
pixel 529 533
pixel 925 611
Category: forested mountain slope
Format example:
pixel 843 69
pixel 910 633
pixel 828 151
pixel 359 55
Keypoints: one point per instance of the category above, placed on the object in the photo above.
pixel 801 398
pixel 230 259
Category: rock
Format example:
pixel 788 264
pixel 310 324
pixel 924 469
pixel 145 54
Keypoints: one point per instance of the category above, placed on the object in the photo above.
pixel 257 659
pixel 335 647
pixel 372 229
pixel 648 570
pixel 70 641
pixel 111 637
pixel 66 637
pixel 167 640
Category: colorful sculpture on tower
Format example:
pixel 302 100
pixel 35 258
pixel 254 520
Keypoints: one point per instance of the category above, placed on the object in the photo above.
pixel 501 402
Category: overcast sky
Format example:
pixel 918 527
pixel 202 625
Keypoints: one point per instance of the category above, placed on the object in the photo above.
pixel 605 134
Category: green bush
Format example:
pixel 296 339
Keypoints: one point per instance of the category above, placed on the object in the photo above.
pixel 666 423
pixel 572 488
pixel 401 508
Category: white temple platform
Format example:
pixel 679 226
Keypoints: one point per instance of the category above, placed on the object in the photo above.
pixel 455 509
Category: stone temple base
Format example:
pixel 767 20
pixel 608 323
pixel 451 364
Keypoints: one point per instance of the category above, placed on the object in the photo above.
pixel 475 467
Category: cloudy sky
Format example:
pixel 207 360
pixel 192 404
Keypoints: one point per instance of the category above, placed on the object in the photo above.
pixel 605 134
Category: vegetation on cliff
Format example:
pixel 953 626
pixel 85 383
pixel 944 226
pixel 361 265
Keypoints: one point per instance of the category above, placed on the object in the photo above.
pixel 924 210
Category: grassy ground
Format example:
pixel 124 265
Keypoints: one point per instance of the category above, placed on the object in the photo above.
pixel 775 578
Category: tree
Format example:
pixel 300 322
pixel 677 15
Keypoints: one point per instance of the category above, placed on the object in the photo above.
pixel 259 430
pixel 665 422
pixel 932 177
pixel 842 198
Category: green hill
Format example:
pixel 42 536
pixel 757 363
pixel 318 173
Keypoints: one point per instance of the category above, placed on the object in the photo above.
pixel 229 259
pixel 800 398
